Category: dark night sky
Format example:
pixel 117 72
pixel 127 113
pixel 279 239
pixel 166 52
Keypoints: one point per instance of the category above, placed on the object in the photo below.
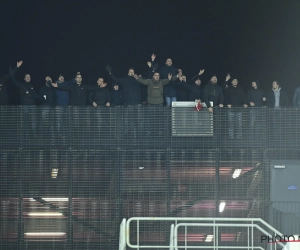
pixel 254 39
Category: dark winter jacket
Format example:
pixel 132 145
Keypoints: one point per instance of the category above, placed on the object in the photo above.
pixel 47 96
pixel 213 93
pixel 235 96
pixel 131 89
pixel 78 93
pixel 63 96
pixel 100 96
pixel 27 92
pixel 116 97
pixel 283 100
pixel 256 96
pixel 164 71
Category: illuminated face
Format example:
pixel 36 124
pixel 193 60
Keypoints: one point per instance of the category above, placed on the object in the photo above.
pixel 183 78
pixel 131 72
pixel 214 79
pixel 198 82
pixel 61 79
pixel 234 82
pixel 100 82
pixel 116 87
pixel 275 85
pixel 78 79
pixel 254 85
pixel 156 76
pixel 27 78
pixel 169 62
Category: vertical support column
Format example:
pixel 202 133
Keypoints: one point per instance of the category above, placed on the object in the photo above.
pixel 70 183
pixel 20 203
pixel 216 123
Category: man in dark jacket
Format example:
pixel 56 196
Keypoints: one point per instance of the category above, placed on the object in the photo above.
pixel 116 96
pixel 213 94
pixel 26 90
pixel 235 98
pixel 78 92
pixel 28 98
pixel 100 96
pixel 3 83
pixel 47 94
pixel 170 89
pixel 277 98
pixel 256 98
pixel 62 96
pixel 194 88
pixel 131 88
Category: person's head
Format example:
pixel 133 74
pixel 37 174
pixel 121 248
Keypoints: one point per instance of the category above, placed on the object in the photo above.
pixel 275 85
pixel 169 62
pixel 198 82
pixel 61 78
pixel 131 72
pixel 234 82
pixel 27 78
pixel 78 79
pixel 254 84
pixel 183 78
pixel 156 76
pixel 214 79
pixel 100 82
pixel 116 87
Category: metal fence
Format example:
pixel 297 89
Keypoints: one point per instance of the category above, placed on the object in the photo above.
pixel 70 174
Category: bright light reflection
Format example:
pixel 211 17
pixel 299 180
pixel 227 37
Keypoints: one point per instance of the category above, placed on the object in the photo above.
pixel 236 173
pixel 51 199
pixel 209 238
pixel 44 214
pixel 222 206
pixel 45 234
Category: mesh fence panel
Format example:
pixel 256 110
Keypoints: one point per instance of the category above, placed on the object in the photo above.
pixel 69 175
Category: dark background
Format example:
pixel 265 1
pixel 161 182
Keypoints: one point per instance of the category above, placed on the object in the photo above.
pixel 249 39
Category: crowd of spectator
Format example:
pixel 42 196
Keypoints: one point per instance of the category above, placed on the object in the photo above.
pixel 162 86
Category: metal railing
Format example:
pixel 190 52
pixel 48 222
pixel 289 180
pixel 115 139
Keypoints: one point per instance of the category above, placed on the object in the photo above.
pixel 250 224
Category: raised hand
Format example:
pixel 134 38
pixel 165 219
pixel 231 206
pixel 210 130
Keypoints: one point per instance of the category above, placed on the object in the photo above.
pixel 153 56
pixel 19 64
pixel 201 72
pixel 170 76
pixel 55 85
pixel 149 64
pixel 108 69
pixel 136 76
pixel 227 78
